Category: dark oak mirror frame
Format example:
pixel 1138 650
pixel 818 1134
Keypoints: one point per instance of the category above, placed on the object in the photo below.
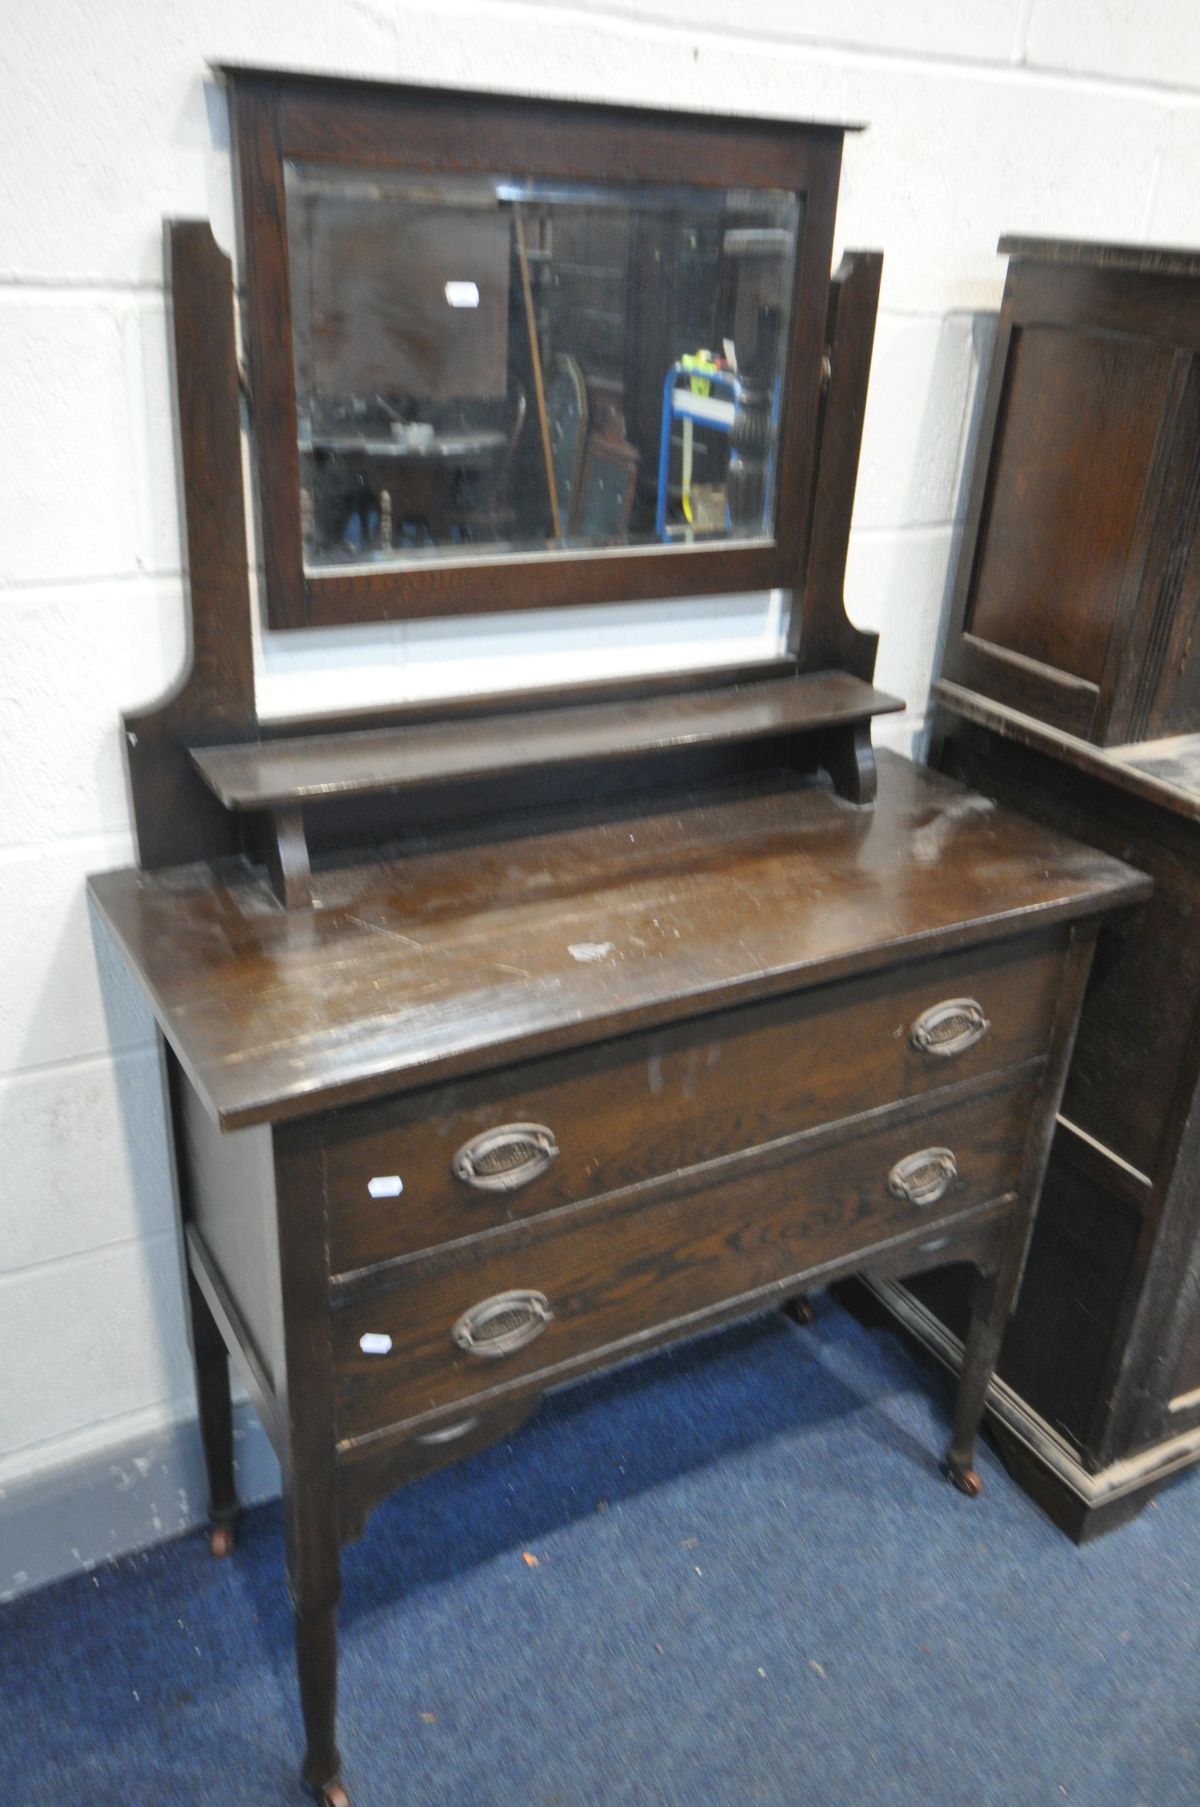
pixel 320 121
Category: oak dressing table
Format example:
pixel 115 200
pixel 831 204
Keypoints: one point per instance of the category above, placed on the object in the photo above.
pixel 512 1038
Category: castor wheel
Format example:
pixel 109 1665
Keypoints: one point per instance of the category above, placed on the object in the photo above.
pixel 966 1480
pixel 800 1311
pixel 221 1540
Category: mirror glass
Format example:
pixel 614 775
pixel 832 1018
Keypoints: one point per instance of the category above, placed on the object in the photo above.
pixel 492 365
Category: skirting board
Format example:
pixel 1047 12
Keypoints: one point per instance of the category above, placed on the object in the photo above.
pixel 1083 1504
pixel 64 1521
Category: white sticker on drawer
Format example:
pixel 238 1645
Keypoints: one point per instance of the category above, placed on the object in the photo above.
pixel 385 1185
pixel 375 1342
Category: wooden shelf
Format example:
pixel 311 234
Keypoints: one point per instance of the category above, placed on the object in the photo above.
pixel 290 774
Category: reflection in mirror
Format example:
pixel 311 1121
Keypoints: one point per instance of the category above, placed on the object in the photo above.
pixel 491 366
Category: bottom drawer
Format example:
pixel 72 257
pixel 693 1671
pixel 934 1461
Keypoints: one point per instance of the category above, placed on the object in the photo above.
pixel 370 1471
pixel 587 1281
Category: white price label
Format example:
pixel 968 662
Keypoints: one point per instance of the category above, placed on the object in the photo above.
pixel 385 1185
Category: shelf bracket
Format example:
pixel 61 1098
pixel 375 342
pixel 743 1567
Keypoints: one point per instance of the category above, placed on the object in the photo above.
pixel 287 858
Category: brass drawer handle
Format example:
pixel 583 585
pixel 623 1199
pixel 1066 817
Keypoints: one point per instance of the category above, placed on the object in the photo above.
pixel 502 1324
pixel 501 1160
pixel 949 1028
pixel 925 1177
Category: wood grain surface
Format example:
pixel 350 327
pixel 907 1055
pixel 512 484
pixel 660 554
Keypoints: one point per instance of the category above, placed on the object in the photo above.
pixel 613 1271
pixel 462 959
pixel 648 1104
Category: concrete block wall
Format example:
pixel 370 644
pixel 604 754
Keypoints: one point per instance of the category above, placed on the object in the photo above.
pixel 984 116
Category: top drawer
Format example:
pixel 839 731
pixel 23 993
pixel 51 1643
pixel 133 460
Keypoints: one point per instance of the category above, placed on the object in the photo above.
pixel 434 1166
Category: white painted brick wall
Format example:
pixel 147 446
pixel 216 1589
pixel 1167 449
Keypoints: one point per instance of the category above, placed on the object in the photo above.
pixel 109 1326
pixel 984 116
pixel 67 512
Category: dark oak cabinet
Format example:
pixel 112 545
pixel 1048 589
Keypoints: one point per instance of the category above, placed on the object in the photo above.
pixel 1080 577
pixel 1071 689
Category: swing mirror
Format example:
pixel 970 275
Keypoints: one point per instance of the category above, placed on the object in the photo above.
pixel 505 353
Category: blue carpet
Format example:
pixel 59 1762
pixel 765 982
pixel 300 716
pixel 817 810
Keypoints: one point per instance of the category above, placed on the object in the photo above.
pixel 752 1586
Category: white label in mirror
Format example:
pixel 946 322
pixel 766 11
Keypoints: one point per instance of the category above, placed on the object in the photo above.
pixel 462 294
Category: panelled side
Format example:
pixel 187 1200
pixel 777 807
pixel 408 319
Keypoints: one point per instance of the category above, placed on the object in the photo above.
pixel 230 1211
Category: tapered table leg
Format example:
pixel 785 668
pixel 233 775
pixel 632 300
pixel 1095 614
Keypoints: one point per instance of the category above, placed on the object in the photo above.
pixel 313 1559
pixel 311 1526
pixel 316 1667
pixel 215 1405
pixel 800 1310
pixel 991 1301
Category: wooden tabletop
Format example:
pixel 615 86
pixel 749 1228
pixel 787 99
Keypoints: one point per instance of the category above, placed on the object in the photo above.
pixel 444 962
pixel 484 443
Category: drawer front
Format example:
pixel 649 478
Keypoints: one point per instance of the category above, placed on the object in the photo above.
pixel 561 1290
pixel 370 1472
pixel 557 1131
